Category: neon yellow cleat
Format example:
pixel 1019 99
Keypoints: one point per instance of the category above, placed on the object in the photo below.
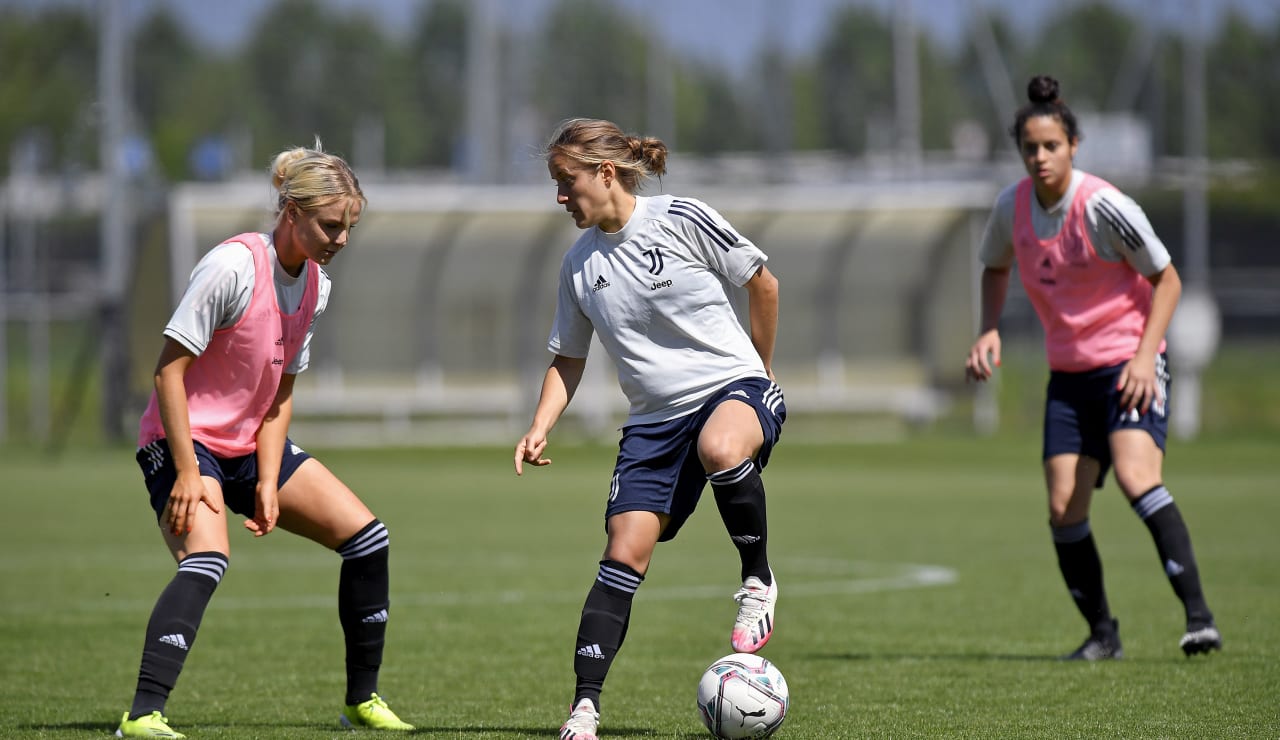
pixel 148 725
pixel 374 715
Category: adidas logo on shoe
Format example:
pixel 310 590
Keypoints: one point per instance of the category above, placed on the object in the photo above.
pixel 381 616
pixel 177 641
pixel 591 651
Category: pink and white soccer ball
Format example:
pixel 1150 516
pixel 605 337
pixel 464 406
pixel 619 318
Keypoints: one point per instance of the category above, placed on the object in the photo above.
pixel 742 696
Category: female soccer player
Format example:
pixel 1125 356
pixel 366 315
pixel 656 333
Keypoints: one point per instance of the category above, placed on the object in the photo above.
pixel 1105 290
pixel 656 279
pixel 214 436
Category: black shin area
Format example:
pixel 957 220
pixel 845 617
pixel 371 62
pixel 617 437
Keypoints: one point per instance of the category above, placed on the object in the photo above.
pixel 739 493
pixel 605 616
pixel 1158 511
pixel 171 631
pixel 363 608
pixel 1082 570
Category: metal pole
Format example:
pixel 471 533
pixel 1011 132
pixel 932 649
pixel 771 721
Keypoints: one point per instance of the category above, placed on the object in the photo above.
pixel 994 71
pixel 1196 326
pixel 1195 195
pixel 906 84
pixel 661 84
pixel 483 143
pixel 115 218
pixel 776 86
pixel 4 314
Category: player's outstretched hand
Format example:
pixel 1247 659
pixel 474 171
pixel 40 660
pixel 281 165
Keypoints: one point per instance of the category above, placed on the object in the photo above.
pixel 529 450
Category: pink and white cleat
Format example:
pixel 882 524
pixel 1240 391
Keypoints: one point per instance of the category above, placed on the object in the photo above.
pixel 754 625
pixel 582 723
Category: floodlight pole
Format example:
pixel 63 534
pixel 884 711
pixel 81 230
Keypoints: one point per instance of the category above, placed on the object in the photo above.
pixel 906 83
pixel 661 88
pixel 484 110
pixel 116 208
pixel 1196 326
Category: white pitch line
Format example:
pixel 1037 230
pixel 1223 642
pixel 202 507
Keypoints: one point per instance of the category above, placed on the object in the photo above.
pixel 901 576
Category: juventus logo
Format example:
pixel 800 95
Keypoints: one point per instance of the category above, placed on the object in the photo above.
pixel 655 260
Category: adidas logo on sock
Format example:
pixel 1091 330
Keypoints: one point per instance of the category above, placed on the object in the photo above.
pixel 177 641
pixel 381 616
pixel 1173 568
pixel 745 539
pixel 591 651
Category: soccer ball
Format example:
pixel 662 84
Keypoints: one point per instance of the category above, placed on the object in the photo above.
pixel 742 696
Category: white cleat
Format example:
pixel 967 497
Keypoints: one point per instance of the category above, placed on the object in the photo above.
pixel 582 723
pixel 1201 641
pixel 754 625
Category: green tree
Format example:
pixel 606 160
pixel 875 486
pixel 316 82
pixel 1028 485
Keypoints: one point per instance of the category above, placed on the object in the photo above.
pixel 942 101
pixel 315 73
pixel 973 86
pixel 712 117
pixel 855 78
pixel 180 92
pixel 424 129
pixel 48 78
pixel 1242 81
pixel 1083 46
pixel 592 61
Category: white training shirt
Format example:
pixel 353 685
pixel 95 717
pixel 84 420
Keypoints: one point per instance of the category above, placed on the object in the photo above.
pixel 661 294
pixel 1118 228
pixel 219 291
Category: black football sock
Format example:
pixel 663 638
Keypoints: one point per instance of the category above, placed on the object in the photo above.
pixel 1082 570
pixel 363 604
pixel 740 497
pixel 605 617
pixel 1157 510
pixel 171 631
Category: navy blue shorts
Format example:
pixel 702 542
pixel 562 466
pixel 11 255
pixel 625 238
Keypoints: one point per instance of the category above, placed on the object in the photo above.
pixel 1081 410
pixel 238 475
pixel 658 467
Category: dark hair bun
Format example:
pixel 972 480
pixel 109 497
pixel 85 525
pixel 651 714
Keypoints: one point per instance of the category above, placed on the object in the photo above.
pixel 1042 89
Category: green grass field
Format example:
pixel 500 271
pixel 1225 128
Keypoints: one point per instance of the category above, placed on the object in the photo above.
pixel 919 598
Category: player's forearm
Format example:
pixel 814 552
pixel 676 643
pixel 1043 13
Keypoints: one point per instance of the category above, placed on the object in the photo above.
pixel 994 289
pixel 762 291
pixel 1166 291
pixel 558 387
pixel 171 400
pixel 274 430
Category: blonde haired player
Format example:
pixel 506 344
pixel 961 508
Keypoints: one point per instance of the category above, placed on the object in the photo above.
pixel 215 437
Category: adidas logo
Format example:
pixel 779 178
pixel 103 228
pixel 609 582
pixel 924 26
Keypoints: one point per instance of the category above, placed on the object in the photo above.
pixel 1173 568
pixel 177 641
pixel 600 285
pixel 381 616
pixel 744 539
pixel 740 392
pixel 591 651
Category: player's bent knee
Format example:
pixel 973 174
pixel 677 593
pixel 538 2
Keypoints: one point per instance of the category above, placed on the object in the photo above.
pixel 724 452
